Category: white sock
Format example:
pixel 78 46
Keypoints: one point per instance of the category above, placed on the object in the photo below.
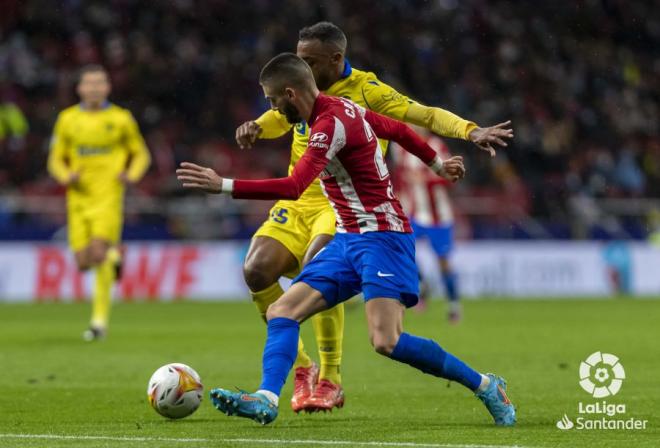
pixel 485 382
pixel 271 396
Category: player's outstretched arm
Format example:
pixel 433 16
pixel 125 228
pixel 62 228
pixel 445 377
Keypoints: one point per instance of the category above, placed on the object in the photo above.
pixel 386 100
pixel 451 169
pixel 204 179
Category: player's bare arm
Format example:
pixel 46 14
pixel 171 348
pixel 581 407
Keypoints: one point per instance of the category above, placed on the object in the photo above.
pixel 486 138
pixel 199 178
pixel 247 134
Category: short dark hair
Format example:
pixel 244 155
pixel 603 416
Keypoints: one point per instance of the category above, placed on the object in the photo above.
pixel 326 32
pixel 286 69
pixel 91 68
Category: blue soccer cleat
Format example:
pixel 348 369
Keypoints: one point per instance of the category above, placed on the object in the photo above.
pixel 242 404
pixel 497 403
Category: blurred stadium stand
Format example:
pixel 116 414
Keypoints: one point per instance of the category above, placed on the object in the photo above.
pixel 579 80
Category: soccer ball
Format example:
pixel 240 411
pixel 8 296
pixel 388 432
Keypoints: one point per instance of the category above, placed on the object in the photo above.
pixel 175 390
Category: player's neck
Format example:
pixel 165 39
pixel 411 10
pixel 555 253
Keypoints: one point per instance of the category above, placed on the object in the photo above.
pixel 306 105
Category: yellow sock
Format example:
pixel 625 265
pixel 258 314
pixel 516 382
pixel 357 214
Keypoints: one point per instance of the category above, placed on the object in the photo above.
pixel 262 299
pixel 104 278
pixel 329 331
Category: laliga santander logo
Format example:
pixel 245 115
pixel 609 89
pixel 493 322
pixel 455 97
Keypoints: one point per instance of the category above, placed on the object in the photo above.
pixel 601 374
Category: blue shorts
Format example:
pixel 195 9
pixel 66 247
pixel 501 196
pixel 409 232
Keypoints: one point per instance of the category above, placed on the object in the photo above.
pixel 440 237
pixel 378 264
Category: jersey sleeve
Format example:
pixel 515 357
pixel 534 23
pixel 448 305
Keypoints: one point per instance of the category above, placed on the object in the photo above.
pixel 273 124
pixel 140 158
pixel 57 157
pixel 329 140
pixel 385 100
pixel 440 121
pixel 390 129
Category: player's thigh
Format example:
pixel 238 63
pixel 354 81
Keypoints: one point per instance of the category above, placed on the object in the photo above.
pixel 266 261
pixel 441 239
pixel 98 249
pixel 322 226
pixel 285 225
pixel 385 322
pixel 386 265
pixel 332 274
pixel 79 236
pixel 105 232
pixel 299 302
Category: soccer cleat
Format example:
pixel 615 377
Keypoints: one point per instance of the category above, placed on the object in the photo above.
pixel 306 379
pixel 242 404
pixel 326 395
pixel 94 334
pixel 455 313
pixel 497 402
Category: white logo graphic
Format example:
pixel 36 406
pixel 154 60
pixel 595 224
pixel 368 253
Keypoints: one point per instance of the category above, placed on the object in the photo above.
pixel 565 423
pixel 380 274
pixel 319 137
pixel 601 374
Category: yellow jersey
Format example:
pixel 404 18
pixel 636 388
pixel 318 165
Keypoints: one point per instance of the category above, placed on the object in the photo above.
pixel 365 89
pixel 98 145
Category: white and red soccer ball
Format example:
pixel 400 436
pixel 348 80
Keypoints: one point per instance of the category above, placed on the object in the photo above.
pixel 175 390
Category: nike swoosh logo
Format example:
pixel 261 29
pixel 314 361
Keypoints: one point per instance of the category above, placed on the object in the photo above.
pixel 380 274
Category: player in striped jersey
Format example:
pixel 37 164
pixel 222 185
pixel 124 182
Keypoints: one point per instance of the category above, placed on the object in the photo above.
pixel 373 251
pixel 425 198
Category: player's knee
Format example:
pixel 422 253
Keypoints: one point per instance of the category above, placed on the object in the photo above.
pixel 256 275
pixel 383 344
pixel 97 256
pixel 276 310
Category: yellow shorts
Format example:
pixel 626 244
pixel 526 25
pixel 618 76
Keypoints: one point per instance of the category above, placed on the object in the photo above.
pixel 296 225
pixel 84 227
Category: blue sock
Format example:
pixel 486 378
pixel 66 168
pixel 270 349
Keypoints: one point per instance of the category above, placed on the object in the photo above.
pixel 279 354
pixel 449 279
pixel 427 356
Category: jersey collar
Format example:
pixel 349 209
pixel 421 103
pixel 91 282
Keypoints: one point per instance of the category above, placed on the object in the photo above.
pixel 104 106
pixel 347 69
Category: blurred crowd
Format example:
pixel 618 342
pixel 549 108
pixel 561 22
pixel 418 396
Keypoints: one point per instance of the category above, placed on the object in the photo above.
pixel 580 81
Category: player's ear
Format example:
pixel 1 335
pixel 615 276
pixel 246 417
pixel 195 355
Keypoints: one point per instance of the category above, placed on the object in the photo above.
pixel 337 58
pixel 289 93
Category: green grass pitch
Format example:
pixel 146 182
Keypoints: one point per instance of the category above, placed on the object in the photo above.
pixel 94 394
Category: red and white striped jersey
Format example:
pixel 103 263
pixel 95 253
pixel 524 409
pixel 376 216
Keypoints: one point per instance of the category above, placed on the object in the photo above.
pixel 344 153
pixel 424 195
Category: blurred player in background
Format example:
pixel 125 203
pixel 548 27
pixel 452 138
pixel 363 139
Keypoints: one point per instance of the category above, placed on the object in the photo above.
pixel 96 151
pixel 425 198
pixel 297 230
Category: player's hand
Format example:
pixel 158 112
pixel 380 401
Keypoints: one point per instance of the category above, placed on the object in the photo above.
pixel 485 138
pixel 123 178
pixel 247 134
pixel 453 168
pixel 199 178
pixel 73 179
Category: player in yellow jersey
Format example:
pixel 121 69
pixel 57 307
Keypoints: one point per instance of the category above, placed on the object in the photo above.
pixel 96 151
pixel 296 231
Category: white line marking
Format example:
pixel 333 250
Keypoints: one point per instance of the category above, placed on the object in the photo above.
pixel 239 440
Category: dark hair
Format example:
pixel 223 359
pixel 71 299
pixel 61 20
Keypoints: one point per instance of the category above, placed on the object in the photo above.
pixel 286 69
pixel 326 32
pixel 91 68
